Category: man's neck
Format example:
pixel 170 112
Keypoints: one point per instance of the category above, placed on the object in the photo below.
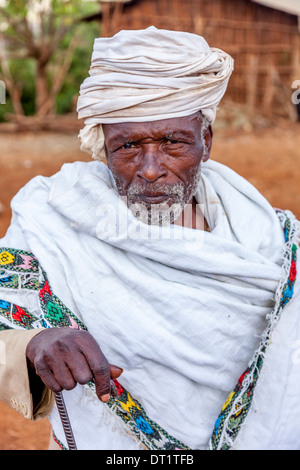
pixel 192 217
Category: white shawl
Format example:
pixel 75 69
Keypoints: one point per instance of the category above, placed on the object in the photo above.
pixel 182 315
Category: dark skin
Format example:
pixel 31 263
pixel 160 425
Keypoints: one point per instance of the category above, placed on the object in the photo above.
pixel 63 357
pixel 155 154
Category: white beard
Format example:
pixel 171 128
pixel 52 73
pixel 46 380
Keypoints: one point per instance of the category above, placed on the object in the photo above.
pixel 162 213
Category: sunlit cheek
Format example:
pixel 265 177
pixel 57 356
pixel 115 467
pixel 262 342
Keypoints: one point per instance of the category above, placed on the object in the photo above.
pixel 183 166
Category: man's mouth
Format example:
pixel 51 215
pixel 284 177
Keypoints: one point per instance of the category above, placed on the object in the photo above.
pixel 153 198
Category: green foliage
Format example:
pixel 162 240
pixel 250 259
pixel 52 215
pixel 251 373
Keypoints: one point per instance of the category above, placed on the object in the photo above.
pixel 79 68
pixel 61 8
pixel 5 108
pixel 23 72
pixel 63 13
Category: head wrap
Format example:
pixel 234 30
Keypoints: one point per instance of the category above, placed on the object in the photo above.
pixel 148 75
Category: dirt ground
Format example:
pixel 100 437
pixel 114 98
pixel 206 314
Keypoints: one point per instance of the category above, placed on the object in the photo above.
pixel 268 158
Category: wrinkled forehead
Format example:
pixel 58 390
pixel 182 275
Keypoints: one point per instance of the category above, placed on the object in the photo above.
pixel 188 126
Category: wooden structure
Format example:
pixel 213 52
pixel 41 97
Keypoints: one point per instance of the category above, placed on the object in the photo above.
pixel 264 41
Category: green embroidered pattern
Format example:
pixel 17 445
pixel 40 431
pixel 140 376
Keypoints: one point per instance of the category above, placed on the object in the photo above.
pixel 21 270
pixel 53 313
pixel 237 405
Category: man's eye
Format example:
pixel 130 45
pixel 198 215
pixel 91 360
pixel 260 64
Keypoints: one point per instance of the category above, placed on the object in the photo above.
pixel 171 141
pixel 128 145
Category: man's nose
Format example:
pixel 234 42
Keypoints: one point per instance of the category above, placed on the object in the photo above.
pixel 151 168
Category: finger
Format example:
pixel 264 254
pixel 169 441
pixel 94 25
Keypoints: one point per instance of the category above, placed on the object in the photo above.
pixel 64 376
pixel 59 367
pixel 81 370
pixel 99 366
pixel 115 371
pixel 102 382
pixel 47 377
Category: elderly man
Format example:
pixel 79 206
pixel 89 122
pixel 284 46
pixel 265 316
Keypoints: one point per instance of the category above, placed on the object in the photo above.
pixel 156 288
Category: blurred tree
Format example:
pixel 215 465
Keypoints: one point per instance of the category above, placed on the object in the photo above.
pixel 42 36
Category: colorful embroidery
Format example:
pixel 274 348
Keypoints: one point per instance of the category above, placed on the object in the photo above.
pixel 6 258
pixel 133 414
pixel 18 260
pixel 61 445
pixel 21 270
pixel 15 316
pixel 237 405
pixel 54 313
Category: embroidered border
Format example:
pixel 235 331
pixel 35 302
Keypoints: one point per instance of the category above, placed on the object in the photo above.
pixel 237 405
pixel 58 442
pixel 53 313
pixel 21 270
pixel 134 416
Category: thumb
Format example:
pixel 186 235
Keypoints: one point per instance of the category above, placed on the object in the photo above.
pixel 115 371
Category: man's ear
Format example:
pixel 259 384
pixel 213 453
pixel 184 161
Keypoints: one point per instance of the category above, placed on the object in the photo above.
pixel 208 139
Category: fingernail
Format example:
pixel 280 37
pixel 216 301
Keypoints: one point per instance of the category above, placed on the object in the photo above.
pixel 105 397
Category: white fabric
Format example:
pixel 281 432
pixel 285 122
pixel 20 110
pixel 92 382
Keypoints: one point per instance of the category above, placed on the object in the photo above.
pixel 289 6
pixel 147 75
pixel 181 316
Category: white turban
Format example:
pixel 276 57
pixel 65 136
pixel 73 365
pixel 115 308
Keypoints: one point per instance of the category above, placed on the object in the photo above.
pixel 148 75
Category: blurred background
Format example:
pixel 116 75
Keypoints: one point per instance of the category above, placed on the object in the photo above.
pixel 45 52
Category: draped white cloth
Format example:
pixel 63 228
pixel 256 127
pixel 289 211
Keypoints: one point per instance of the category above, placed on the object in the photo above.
pixel 147 75
pixel 181 314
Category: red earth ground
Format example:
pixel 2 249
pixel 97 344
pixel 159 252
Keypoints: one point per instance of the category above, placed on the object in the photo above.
pixel 268 158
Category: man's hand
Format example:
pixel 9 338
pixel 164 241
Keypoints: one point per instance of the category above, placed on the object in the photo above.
pixel 63 357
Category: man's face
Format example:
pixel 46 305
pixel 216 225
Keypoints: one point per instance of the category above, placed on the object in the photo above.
pixel 157 164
